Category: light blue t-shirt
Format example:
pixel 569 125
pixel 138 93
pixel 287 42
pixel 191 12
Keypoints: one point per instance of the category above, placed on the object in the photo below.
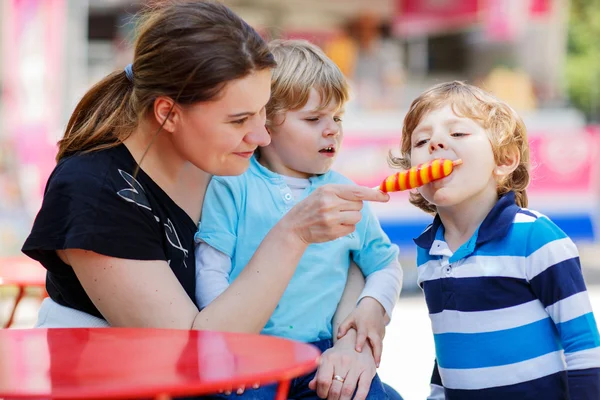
pixel 238 213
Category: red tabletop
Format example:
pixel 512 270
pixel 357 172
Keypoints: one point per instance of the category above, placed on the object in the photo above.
pixel 21 271
pixel 133 363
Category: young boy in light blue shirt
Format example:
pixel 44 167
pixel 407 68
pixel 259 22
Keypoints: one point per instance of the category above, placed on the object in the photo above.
pixel 304 119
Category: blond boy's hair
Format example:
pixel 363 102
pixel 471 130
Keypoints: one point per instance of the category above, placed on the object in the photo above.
pixel 302 66
pixel 505 128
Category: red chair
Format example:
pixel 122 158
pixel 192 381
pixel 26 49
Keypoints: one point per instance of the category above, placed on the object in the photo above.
pixel 21 272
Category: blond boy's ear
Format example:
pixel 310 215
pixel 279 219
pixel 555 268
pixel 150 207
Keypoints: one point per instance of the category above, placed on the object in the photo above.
pixel 509 162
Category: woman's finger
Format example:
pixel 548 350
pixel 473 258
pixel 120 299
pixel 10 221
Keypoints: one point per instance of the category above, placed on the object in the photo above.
pixel 322 380
pixel 349 385
pixel 353 192
pixel 335 390
pixel 364 385
pixel 346 205
pixel 349 218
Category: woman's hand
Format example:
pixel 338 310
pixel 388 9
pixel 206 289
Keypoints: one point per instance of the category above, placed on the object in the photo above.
pixel 330 212
pixel 343 371
pixel 369 319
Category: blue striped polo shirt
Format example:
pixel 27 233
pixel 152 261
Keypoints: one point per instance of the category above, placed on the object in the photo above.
pixel 509 309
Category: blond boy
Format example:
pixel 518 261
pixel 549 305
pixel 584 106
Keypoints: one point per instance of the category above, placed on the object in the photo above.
pixel 509 309
pixel 304 119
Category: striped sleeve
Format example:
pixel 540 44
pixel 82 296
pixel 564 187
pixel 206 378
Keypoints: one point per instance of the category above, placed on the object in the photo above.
pixel 554 272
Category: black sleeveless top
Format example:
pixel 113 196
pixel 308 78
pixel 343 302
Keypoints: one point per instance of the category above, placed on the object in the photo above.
pixel 93 202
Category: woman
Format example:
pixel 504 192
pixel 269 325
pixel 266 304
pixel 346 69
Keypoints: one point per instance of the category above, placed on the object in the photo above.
pixel 115 230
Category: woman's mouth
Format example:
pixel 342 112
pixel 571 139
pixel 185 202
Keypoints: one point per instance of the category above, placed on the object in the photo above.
pixel 244 154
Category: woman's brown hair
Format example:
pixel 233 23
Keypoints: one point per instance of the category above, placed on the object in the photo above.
pixel 505 127
pixel 185 50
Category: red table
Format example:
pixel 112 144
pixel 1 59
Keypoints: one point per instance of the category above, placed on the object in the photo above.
pixel 21 272
pixel 117 363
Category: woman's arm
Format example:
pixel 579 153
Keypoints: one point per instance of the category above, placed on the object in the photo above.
pixel 132 293
pixel 146 293
pixel 252 297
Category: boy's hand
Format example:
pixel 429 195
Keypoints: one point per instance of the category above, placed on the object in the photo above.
pixel 369 320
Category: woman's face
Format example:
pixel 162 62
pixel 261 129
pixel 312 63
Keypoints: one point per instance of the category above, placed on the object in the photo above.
pixel 220 136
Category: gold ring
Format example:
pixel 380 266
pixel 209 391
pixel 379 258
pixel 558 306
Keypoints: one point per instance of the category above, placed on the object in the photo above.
pixel 339 378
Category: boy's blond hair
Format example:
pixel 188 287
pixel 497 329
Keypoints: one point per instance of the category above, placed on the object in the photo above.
pixel 302 66
pixel 505 127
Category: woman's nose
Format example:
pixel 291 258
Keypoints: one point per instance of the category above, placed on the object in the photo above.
pixel 258 136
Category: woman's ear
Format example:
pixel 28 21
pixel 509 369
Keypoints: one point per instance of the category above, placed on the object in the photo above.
pixel 510 161
pixel 166 113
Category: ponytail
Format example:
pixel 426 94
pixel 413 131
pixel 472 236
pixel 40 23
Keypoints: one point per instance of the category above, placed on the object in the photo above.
pixel 102 119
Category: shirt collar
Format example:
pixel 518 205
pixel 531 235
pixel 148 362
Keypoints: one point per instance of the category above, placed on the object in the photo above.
pixel 495 225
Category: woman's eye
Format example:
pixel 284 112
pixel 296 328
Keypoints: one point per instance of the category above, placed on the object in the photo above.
pixel 420 142
pixel 240 121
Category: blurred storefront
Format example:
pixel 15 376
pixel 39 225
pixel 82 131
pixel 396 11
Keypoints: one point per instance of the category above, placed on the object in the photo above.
pixel 404 45
pixel 523 41
pixel 41 50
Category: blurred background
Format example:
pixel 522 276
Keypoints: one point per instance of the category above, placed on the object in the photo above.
pixel 541 56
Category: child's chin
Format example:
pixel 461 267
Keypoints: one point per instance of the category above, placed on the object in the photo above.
pixel 321 171
pixel 444 197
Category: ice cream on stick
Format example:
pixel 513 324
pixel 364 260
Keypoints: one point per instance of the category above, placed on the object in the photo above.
pixel 418 176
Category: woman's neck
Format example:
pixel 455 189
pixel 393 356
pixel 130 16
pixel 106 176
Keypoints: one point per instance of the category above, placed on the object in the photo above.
pixel 156 155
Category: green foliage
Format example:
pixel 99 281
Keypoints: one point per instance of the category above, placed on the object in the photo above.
pixel 583 57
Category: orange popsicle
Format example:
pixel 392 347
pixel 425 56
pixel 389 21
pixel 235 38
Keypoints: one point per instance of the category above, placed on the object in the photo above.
pixel 418 176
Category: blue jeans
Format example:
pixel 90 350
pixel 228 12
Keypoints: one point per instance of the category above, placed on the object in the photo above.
pixel 299 387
